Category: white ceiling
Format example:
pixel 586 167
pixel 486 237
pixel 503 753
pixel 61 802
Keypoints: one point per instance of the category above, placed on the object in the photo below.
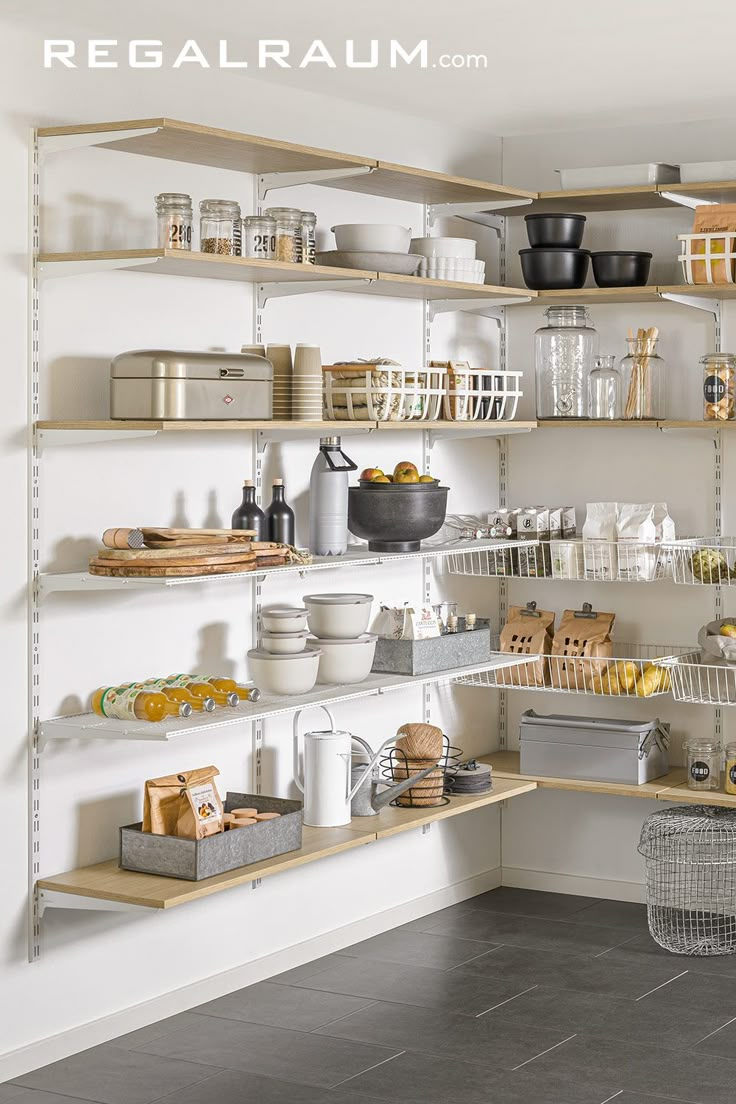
pixel 552 64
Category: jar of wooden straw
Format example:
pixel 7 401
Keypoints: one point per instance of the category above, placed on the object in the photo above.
pixel 642 374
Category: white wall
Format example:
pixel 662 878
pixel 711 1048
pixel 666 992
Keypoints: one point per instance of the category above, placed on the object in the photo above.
pixel 97 198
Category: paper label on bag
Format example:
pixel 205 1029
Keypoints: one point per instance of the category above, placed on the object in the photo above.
pixel 423 623
pixel 204 803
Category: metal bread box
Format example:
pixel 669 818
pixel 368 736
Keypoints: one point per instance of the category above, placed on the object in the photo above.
pixel 169 385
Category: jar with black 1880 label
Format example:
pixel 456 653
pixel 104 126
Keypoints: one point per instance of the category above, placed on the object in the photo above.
pixel 719 387
pixel 704 757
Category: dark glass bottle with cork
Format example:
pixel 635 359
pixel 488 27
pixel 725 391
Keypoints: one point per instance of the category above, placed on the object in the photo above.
pixel 280 516
pixel 249 515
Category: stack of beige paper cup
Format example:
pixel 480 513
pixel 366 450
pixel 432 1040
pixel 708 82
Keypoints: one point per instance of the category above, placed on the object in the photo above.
pixel 306 396
pixel 280 357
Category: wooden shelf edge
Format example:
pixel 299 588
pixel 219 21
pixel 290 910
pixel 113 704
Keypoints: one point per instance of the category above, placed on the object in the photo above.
pixel 505 764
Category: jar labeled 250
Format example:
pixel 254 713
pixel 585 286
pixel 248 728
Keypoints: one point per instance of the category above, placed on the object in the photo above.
pixel 259 237
pixel 174 213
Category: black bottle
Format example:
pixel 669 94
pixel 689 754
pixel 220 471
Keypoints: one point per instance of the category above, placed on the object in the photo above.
pixel 249 515
pixel 279 516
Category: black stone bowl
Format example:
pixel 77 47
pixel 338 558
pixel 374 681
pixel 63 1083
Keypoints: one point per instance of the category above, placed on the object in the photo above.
pixel 554 269
pixel 396 517
pixel 555 231
pixel 614 268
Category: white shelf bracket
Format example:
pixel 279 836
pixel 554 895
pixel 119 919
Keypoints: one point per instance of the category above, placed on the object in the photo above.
pixel 48 438
pixel 712 306
pixel 268 181
pixel 59 143
pixel 54 898
pixel 685 200
pixel 489 308
pixel 279 291
pixel 49 270
pixel 481 211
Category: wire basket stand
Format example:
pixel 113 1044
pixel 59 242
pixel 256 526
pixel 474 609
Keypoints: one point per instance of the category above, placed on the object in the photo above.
pixel 395 766
pixel 690 855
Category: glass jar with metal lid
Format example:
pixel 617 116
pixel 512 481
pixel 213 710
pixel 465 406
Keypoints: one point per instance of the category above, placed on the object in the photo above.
pixel 220 227
pixel 704 756
pixel 174 214
pixel 259 237
pixel 564 352
pixel 288 233
pixel 719 387
pixel 309 237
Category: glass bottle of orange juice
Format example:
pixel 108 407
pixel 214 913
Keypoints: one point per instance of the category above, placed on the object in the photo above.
pixel 175 694
pixel 220 682
pixel 129 702
pixel 202 689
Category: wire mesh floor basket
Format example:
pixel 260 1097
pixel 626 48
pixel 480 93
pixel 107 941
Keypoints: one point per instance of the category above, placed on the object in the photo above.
pixel 690 854
pixel 430 791
pixel 572 560
pixel 703 683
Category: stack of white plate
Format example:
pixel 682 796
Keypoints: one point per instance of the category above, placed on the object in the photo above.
pixel 449 259
pixel 306 387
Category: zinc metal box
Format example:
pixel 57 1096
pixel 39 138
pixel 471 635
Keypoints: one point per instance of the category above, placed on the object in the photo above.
pixel 422 657
pixel 194 860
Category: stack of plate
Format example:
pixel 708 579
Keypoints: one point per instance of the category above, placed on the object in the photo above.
pixel 306 394
pixel 471 778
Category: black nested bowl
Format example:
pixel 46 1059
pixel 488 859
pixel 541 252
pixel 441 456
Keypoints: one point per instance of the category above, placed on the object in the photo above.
pixel 555 231
pixel 396 517
pixel 554 269
pixel 614 268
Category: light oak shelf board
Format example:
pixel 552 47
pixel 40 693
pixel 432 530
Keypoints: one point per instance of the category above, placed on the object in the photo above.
pixel 647 294
pixel 683 793
pixel 505 764
pixel 699 291
pixel 421 287
pixel 460 428
pixel 107 882
pixel 424 186
pixel 639 197
pixel 603 423
pixel 157 426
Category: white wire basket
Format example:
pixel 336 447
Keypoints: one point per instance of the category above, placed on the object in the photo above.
pixel 482 396
pixel 383 393
pixel 704 561
pixel 634 671
pixel 570 560
pixel 708 258
pixel 702 683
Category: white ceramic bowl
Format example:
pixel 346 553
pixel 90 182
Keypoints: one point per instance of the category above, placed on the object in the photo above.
pixel 372 237
pixel 344 661
pixel 284 619
pixel 283 643
pixel 338 616
pixel 284 674
pixel 444 247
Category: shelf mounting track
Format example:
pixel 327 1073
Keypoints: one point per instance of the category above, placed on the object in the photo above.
pixel 268 181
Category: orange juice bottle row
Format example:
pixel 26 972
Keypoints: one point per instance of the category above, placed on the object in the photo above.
pixel 174 696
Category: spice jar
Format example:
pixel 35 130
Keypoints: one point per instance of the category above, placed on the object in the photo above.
pixel 719 386
pixel 309 237
pixel 731 768
pixel 220 227
pixel 288 233
pixel 259 237
pixel 703 763
pixel 174 211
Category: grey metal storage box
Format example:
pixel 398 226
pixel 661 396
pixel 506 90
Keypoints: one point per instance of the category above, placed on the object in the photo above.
pixel 190 386
pixel 421 657
pixel 593 749
pixel 197 859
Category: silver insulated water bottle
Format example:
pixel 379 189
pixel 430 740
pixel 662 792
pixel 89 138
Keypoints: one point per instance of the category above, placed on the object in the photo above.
pixel 328 499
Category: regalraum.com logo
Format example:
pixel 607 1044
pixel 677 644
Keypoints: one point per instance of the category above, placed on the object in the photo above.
pixel 266 53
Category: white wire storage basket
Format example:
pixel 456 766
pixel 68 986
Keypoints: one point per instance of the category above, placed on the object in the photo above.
pixel 690 859
pixel 570 560
pixel 634 671
pixel 704 561
pixel 482 396
pixel 702 683
pixel 383 393
pixel 708 258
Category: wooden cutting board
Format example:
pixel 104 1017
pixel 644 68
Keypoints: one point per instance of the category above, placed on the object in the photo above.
pixel 176 561
pixel 197 534
pixel 146 571
pixel 224 551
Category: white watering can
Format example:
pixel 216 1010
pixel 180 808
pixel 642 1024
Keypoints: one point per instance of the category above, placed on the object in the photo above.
pixel 327 783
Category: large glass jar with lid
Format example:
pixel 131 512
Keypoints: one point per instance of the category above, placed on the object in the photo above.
pixel 220 227
pixel 565 349
pixel 174 214
pixel 288 233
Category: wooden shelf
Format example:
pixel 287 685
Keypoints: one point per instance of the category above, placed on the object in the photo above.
pixel 683 794
pixel 424 186
pixel 107 882
pixel 157 426
pixel 421 287
pixel 637 198
pixel 648 294
pixel 590 423
pixel 505 764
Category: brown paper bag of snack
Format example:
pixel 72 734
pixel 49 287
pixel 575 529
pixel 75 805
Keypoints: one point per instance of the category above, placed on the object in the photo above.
pixel 527 632
pixel 711 219
pixel 581 649
pixel 186 804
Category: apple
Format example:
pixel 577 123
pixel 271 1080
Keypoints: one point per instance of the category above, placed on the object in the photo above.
pixel 728 630
pixel 370 473
pixel 407 476
pixel 405 466
pixel 426 479
pixel 381 479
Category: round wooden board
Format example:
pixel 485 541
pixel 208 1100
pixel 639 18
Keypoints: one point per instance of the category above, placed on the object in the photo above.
pixel 146 571
pixel 224 551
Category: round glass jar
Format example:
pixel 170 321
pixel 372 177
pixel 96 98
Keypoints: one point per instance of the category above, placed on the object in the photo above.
pixel 220 227
pixel 309 237
pixel 174 216
pixel 259 237
pixel 731 768
pixel 642 380
pixel 288 233
pixel 703 763
pixel 565 350
pixel 719 387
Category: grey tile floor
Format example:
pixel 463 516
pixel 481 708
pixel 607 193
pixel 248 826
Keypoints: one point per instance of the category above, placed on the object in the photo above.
pixel 512 997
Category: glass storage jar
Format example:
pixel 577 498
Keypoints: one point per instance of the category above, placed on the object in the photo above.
pixel 309 237
pixel 604 389
pixel 703 763
pixel 288 233
pixel 731 768
pixel 642 379
pixel 719 386
pixel 564 353
pixel 220 227
pixel 174 213
pixel 259 237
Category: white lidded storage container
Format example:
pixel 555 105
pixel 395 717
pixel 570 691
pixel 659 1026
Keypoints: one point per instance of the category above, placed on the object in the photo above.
pixel 593 748
pixel 619 176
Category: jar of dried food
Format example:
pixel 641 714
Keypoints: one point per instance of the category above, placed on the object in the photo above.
pixel 288 233
pixel 174 212
pixel 703 763
pixel 309 237
pixel 220 227
pixel 719 387
pixel 259 237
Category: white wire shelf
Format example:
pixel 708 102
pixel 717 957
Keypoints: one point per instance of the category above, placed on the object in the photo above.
pixel 571 560
pixel 702 683
pixel 704 561
pixel 356 556
pixel 634 671
pixel 88 726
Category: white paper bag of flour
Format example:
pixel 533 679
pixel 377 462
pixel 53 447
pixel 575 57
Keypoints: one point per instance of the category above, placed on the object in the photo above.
pixel 599 541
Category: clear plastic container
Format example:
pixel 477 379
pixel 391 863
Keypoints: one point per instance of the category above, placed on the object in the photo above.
pixel 174 215
pixel 719 387
pixel 288 233
pixel 704 758
pixel 565 350
pixel 604 389
pixel 642 381
pixel 309 237
pixel 220 227
pixel 259 237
